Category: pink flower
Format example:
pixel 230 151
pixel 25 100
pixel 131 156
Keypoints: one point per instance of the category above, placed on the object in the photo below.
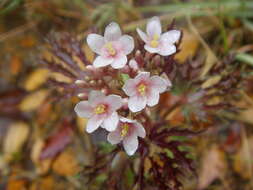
pixel 156 42
pixel 144 90
pixel 128 132
pixel 101 111
pixel 112 48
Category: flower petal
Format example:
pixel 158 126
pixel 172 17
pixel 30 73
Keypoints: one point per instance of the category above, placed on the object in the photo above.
pixel 166 50
pixel 102 61
pixel 130 144
pixel 153 98
pixel 112 32
pixel 142 76
pixel 171 36
pixel 94 96
pixel 119 62
pixel 137 103
pixel 127 43
pixel 140 130
pixel 150 49
pixel 83 109
pixel 133 64
pixel 114 137
pixel 142 35
pixel 95 42
pixel 124 119
pixel 114 101
pixel 154 27
pixel 159 84
pixel 129 87
pixel 93 123
pixel 111 122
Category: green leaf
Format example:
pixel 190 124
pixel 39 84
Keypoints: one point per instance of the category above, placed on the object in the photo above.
pixel 124 77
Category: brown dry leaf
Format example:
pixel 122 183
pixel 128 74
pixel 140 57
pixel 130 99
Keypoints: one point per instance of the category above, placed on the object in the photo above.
pixel 211 60
pixel 15 139
pixel 213 167
pixel 89 54
pixel 36 79
pixel 16 185
pixel 243 163
pixel 42 166
pixel 60 77
pixel 46 183
pixel 246 115
pixel 81 123
pixel 188 46
pixel 28 41
pixel 15 65
pixel 66 164
pixel 211 82
pixel 33 101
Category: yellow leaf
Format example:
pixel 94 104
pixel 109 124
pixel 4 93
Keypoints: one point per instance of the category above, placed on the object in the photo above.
pixel 188 46
pixel 33 101
pixel 211 81
pixel 15 138
pixel 71 168
pixel 36 79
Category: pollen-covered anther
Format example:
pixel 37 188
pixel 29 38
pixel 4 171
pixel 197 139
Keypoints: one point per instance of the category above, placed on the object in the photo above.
pixel 110 49
pixel 155 41
pixel 124 130
pixel 100 109
pixel 142 89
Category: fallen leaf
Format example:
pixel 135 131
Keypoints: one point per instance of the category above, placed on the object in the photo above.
pixel 71 168
pixel 188 46
pixel 211 82
pixel 58 141
pixel 15 139
pixel 213 167
pixel 36 79
pixel 33 101
pixel 15 65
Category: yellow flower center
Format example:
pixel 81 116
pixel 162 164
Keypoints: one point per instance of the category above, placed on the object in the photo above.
pixel 154 42
pixel 110 49
pixel 124 130
pixel 142 89
pixel 101 108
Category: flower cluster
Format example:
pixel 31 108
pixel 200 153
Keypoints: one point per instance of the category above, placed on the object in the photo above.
pixel 139 90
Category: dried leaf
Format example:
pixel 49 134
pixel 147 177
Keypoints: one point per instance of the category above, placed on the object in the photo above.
pixel 33 101
pixel 211 81
pixel 187 47
pixel 57 142
pixel 15 139
pixel 213 167
pixel 36 79
pixel 15 65
pixel 71 168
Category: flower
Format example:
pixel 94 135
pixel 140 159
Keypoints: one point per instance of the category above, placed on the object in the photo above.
pixel 156 42
pixel 101 111
pixel 143 90
pixel 112 48
pixel 127 131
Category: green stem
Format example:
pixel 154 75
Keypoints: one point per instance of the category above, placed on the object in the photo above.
pixel 202 8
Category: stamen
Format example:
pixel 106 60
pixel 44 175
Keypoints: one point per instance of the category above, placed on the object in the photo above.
pixel 154 42
pixel 125 129
pixel 101 108
pixel 110 49
pixel 142 89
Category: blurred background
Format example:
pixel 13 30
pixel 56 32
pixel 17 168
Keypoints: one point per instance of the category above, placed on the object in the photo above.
pixel 41 147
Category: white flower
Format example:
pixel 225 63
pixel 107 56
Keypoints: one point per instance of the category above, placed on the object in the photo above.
pixel 112 48
pixel 156 42
pixel 101 111
pixel 144 90
pixel 128 132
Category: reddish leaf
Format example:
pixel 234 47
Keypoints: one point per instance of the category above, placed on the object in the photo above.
pixel 58 141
